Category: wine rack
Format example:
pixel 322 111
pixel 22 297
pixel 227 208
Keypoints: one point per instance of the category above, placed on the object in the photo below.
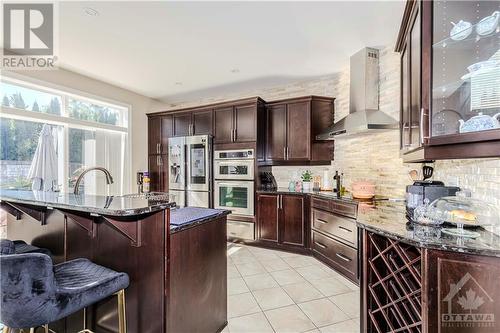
pixel 393 285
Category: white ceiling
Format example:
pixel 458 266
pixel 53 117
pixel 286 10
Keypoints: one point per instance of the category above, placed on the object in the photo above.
pixel 179 50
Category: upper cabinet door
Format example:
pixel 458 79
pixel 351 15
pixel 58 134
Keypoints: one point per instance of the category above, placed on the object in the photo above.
pixel 292 220
pixel 202 122
pixel 182 124
pixel 167 131
pixel 245 119
pixel 415 88
pixel 298 131
pixel 276 132
pixel 405 100
pixel 465 72
pixel 223 124
pixel 154 135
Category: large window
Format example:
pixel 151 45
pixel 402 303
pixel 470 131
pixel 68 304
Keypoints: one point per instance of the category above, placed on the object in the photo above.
pixel 87 132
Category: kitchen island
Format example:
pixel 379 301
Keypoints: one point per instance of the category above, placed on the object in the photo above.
pixel 175 258
pixel 418 279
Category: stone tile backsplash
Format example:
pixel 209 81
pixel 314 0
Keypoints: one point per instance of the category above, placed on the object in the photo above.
pixel 375 156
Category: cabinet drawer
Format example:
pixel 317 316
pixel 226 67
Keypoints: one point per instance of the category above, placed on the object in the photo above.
pixel 345 209
pixel 341 255
pixel 335 225
pixel 324 204
pixel 243 230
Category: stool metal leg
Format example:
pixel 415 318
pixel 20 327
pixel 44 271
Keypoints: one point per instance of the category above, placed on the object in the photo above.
pixel 122 315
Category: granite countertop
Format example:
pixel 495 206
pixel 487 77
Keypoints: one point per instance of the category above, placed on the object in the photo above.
pixel 389 219
pixel 187 217
pixel 321 194
pixel 128 205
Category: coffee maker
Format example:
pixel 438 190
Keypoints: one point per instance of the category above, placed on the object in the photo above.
pixel 423 190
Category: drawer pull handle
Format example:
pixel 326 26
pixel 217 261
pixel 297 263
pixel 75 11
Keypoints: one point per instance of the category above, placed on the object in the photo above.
pixel 343 257
pixel 344 229
pixel 320 245
pixel 322 221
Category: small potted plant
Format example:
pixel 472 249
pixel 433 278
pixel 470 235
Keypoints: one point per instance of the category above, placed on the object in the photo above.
pixel 306 180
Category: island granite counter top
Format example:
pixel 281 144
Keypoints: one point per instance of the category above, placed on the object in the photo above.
pixel 128 205
pixel 187 217
pixel 389 219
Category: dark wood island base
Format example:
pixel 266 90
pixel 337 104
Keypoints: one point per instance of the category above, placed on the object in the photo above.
pixel 178 280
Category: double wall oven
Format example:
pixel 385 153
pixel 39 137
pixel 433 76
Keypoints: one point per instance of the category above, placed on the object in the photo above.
pixel 234 181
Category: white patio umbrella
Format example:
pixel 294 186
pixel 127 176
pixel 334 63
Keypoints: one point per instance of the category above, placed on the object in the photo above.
pixel 43 170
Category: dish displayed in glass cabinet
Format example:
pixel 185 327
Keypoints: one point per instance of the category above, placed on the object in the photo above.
pixel 465 67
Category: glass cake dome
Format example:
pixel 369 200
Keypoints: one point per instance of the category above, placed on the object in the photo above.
pixel 463 212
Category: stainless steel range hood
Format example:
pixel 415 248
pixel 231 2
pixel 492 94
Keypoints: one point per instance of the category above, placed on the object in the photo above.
pixel 364 115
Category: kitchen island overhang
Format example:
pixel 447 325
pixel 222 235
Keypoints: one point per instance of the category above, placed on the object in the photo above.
pixel 132 235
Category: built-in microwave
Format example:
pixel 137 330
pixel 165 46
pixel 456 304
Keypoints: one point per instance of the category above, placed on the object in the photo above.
pixel 236 196
pixel 234 169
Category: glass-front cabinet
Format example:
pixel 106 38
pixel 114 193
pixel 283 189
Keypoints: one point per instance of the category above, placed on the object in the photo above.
pixel 450 79
pixel 465 67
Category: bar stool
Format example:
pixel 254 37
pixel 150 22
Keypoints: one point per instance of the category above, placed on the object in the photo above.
pixel 35 293
pixel 20 247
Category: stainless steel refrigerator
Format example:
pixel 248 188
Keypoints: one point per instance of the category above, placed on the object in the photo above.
pixel 190 170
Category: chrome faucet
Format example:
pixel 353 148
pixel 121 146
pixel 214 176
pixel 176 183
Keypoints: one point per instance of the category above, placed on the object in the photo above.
pixel 109 178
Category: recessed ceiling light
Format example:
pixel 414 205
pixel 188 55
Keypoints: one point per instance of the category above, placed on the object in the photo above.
pixel 235 70
pixel 90 11
pixel 178 83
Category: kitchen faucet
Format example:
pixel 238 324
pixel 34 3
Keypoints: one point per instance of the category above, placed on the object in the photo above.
pixel 109 178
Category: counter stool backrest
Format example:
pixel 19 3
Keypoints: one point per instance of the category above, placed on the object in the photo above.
pixel 7 246
pixel 28 287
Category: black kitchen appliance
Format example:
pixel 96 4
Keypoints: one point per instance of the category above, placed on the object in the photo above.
pixel 426 189
pixel 267 181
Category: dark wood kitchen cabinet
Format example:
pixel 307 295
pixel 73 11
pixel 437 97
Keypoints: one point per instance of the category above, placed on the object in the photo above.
pixel 236 122
pixel 223 124
pixel 293 220
pixel 197 122
pixel 158 172
pixel 268 217
pixel 408 286
pixel 291 129
pixel 154 134
pixel 182 124
pixel 449 95
pixel 160 128
pixel 334 235
pixel 276 132
pixel 202 122
pixel 281 220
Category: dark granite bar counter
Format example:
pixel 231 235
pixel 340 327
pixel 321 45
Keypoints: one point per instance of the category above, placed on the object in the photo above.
pixel 128 205
pixel 389 219
pixel 188 217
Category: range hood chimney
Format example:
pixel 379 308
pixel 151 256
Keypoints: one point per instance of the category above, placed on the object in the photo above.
pixel 364 115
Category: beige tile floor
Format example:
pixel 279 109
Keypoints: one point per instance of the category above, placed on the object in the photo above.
pixel 275 291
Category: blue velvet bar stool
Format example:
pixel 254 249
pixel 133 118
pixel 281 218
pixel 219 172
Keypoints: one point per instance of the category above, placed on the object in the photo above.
pixel 35 293
pixel 21 246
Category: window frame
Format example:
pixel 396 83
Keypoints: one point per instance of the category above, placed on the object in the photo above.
pixel 67 122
